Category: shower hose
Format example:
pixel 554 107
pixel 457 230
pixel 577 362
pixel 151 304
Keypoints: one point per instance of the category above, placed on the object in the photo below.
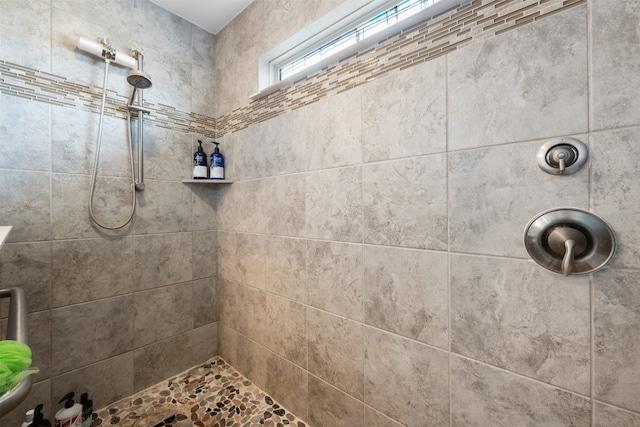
pixel 97 156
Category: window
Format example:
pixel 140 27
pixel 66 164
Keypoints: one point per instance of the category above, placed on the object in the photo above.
pixel 352 27
pixel 373 26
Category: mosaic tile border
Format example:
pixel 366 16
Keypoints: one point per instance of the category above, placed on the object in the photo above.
pixel 212 394
pixel 40 86
pixel 471 23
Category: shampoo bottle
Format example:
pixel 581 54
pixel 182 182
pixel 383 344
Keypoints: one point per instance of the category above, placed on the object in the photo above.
pixel 87 410
pixel 37 418
pixel 200 167
pixel 71 414
pixel 217 164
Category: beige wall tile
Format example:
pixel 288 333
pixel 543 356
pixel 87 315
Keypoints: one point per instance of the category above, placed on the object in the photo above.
pixel 26 205
pixel 333 204
pixel 615 54
pixel 405 203
pixel 405 380
pixel 328 406
pixel 482 396
pixel 404 114
pixel 406 293
pixel 517 316
pixel 531 94
pixel 81 336
pixel 616 358
pixel 27 266
pixel 334 274
pixel 605 416
pixel 162 259
pixel 616 160
pixel 286 268
pixel 336 351
pixel 163 312
pixel 90 269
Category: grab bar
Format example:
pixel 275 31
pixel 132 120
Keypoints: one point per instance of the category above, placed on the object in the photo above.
pixel 17 331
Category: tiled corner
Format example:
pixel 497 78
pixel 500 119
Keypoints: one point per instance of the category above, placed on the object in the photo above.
pixel 210 394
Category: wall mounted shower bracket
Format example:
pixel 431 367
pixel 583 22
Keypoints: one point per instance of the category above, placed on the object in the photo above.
pixel 562 156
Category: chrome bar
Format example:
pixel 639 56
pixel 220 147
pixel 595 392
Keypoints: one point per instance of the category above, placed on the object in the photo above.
pixel 17 331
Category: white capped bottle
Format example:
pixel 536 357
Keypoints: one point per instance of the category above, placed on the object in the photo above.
pixel 71 414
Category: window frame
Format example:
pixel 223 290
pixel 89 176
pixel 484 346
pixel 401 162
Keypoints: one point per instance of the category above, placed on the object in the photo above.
pixel 341 20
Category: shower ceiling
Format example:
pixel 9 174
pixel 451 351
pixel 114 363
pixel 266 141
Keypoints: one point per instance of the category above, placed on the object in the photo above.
pixel 211 15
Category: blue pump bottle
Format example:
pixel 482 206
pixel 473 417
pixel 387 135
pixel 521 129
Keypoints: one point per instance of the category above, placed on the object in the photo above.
pixel 217 163
pixel 200 167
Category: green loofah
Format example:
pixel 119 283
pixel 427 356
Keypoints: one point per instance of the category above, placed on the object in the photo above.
pixel 15 362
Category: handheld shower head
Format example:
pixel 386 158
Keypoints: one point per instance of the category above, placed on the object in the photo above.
pixel 139 79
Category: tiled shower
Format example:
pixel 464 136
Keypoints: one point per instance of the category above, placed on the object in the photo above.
pixel 366 267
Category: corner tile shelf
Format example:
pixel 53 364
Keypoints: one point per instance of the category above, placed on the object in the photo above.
pixel 206 181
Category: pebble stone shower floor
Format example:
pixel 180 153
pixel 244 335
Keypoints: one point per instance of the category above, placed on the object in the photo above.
pixel 212 394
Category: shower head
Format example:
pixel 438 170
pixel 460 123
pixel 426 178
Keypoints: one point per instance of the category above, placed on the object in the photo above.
pixel 139 79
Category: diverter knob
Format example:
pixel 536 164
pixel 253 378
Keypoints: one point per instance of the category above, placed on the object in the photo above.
pixel 562 156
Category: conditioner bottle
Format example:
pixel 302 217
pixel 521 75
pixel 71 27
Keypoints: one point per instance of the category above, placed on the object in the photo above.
pixel 200 163
pixel 71 414
pixel 217 164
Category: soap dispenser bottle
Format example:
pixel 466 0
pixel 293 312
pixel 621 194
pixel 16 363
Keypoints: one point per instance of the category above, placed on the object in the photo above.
pixel 200 167
pixel 37 418
pixel 71 414
pixel 217 163
pixel 87 410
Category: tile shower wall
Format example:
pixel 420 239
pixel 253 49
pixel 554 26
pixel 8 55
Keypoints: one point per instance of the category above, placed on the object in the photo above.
pixel 370 256
pixel 109 312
